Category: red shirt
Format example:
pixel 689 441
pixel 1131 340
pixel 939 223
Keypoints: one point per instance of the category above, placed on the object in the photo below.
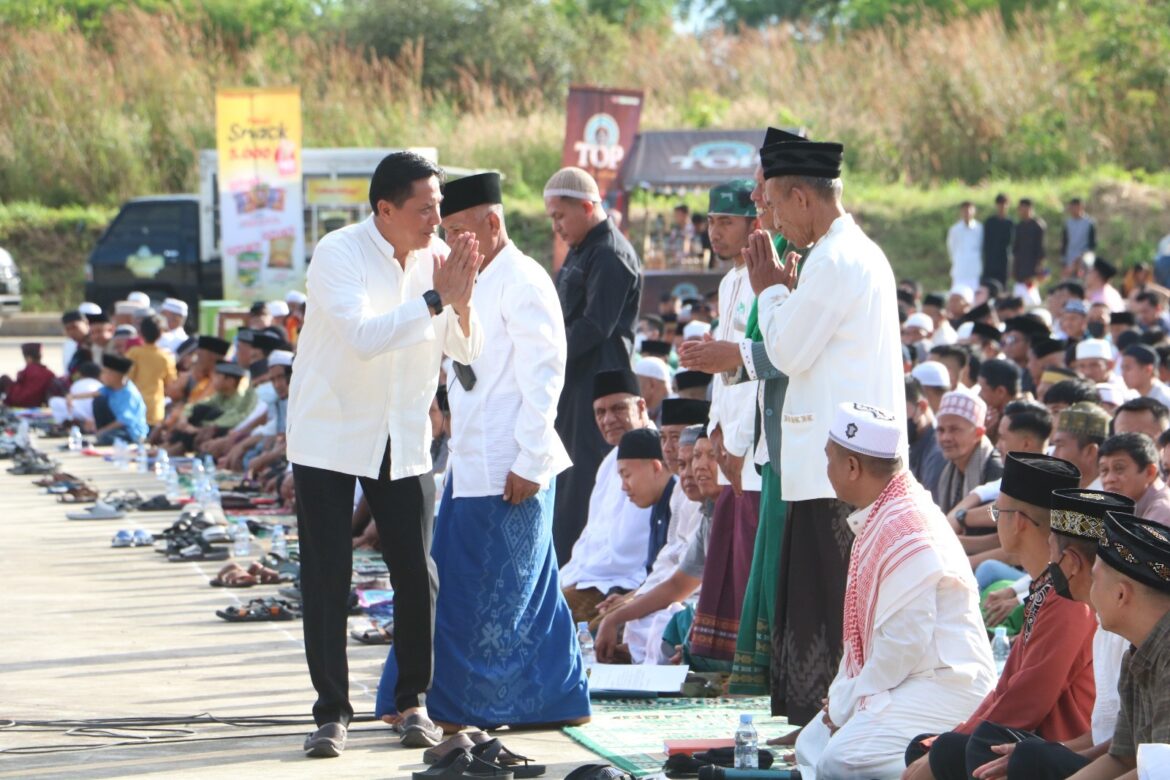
pixel 31 388
pixel 1047 684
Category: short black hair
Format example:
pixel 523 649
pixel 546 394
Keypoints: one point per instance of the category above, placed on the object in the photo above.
pixel 90 370
pixel 1075 289
pixel 394 178
pixel 654 320
pixel 1072 391
pixel 1009 302
pixel 1001 373
pixel 1127 338
pixel 1075 202
pixel 149 329
pixel 1137 445
pixel 1164 438
pixel 913 390
pixel 1154 337
pixel 1029 416
pixel 1025 201
pixel 994 286
pixel 1001 198
pixel 1152 297
pixel 952 351
pixel 1143 354
pixel 1146 404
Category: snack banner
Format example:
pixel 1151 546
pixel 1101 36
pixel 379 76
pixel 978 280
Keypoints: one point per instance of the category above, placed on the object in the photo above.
pixel 261 209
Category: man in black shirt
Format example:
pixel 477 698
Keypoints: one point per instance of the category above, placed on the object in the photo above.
pixel 998 231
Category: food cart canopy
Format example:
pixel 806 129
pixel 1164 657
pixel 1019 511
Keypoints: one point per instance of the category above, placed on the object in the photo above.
pixel 680 160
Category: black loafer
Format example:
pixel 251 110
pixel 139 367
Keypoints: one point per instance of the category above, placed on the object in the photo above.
pixel 326 742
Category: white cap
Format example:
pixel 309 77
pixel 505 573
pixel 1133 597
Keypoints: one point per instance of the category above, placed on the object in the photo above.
pixel 867 430
pixel 964 292
pixel 932 373
pixel 280 357
pixel 277 308
pixel 965 330
pixel 573 182
pixel 1110 393
pixel 654 368
pixel 696 329
pixel 175 306
pixel 919 320
pixel 965 404
pixel 1043 314
pixel 1095 349
pixel 139 299
pixel 127 307
pixel 125 331
pixel 88 308
pixel 295 296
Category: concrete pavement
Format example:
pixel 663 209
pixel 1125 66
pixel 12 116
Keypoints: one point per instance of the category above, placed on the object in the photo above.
pixel 91 632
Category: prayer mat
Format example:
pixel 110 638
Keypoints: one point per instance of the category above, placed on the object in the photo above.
pixel 630 733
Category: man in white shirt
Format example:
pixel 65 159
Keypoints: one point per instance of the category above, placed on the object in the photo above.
pixel 493 546
pixel 916 658
pixel 837 338
pixel 389 298
pixel 174 311
pixel 610 555
pixel 965 246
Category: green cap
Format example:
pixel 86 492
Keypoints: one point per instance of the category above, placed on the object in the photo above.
pixel 733 198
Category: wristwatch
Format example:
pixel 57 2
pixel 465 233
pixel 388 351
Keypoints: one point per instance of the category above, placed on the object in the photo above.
pixel 961 519
pixel 434 302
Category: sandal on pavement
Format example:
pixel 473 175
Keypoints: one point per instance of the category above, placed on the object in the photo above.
pixel 199 551
pixel 461 764
pixel 158 503
pixel 439 752
pixel 258 612
pixel 232 576
pixel 99 511
pixel 494 752
pixel 122 538
pixel 142 538
pixel 378 635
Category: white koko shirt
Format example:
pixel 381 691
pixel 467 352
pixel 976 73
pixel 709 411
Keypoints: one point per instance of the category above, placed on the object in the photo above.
pixel 733 407
pixel 838 339
pixel 505 423
pixel 367 363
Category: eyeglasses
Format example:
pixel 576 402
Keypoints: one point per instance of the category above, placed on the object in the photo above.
pixel 996 512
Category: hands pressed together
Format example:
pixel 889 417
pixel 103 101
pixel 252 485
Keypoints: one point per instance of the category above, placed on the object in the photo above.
pixel 454 277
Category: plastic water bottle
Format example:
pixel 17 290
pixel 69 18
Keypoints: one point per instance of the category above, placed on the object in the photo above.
pixel 162 465
pixel 23 439
pixel 143 460
pixel 209 467
pixel 198 481
pixel 74 439
pixel 213 505
pixel 746 744
pixel 120 454
pixel 174 491
pixel 279 544
pixel 1001 648
pixel 585 639
pixel 241 540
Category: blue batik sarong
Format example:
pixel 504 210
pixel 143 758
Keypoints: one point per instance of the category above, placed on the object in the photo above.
pixel 506 649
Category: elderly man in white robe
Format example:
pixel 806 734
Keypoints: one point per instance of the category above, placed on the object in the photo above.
pixel 916 654
pixel 174 311
pixel 609 557
pixel 837 338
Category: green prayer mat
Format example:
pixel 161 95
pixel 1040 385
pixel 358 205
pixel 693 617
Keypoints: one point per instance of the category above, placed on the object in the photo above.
pixel 629 733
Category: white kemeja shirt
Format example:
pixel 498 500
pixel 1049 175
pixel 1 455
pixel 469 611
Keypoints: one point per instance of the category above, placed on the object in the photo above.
pixel 1108 648
pixel 838 339
pixel 368 357
pixel 965 246
pixel 611 551
pixel 172 339
pixel 733 406
pixel 505 423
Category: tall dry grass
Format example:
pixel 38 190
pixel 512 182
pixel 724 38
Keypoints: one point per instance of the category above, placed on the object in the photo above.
pixel 96 120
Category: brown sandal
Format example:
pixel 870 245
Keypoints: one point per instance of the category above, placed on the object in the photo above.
pixel 79 494
pixel 232 576
pixel 265 575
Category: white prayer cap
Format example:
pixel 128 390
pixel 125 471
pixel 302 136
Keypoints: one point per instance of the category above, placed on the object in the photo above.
pixel 175 306
pixel 280 357
pixel 1094 349
pixel 867 430
pixel 295 296
pixel 965 330
pixel 1110 393
pixel 277 308
pixel 88 308
pixel 654 368
pixel 125 331
pixel 127 307
pixel 965 404
pixel 572 183
pixel 696 329
pixel 920 320
pixel 1043 314
pixel 932 373
pixel 139 299
pixel 964 292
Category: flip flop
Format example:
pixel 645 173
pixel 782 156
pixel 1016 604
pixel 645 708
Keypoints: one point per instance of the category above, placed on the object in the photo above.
pixel 439 752
pixel 122 538
pixel 199 551
pixel 99 511
pixel 267 576
pixel 493 752
pixel 461 764
pixel 158 503
pixel 380 636
pixel 257 612
pixel 142 538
